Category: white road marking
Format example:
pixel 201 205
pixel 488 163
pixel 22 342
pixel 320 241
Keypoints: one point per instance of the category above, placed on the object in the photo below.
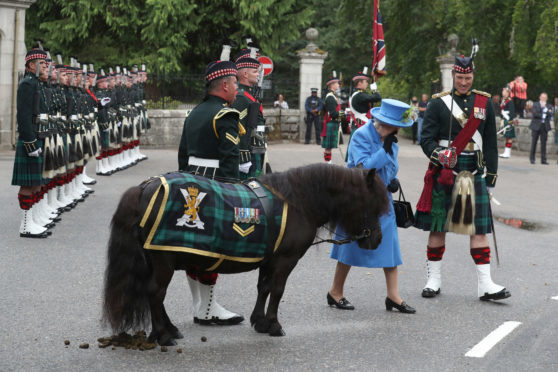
pixel 483 347
pixel 554 298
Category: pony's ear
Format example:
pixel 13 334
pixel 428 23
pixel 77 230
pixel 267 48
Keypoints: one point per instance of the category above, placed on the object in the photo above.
pixel 370 177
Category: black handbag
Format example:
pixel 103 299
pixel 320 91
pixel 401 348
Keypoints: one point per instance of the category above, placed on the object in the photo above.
pixel 404 215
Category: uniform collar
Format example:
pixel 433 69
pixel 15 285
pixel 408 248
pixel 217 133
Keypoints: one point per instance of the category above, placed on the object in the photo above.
pixel 461 95
pixel 247 88
pixel 217 99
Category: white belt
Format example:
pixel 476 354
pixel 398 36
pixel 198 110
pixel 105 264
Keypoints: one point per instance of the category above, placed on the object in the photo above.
pixel 201 162
pixel 445 143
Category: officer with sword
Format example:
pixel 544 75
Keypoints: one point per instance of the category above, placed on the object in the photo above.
pixel 459 139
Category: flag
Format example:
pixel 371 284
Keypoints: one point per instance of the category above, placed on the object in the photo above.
pixel 378 45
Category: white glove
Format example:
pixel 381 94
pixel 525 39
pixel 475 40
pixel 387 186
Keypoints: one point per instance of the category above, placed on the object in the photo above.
pixel 373 87
pixel 118 123
pixel 506 114
pixel 245 167
pixel 36 153
pixel 105 101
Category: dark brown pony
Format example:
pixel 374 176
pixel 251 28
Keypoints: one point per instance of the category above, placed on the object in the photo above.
pixel 136 279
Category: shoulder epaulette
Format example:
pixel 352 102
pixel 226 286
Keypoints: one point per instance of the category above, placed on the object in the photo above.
pixel 224 111
pixel 441 94
pixel 481 93
pixel 330 94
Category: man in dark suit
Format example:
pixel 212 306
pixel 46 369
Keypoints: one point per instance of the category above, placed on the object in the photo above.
pixel 540 125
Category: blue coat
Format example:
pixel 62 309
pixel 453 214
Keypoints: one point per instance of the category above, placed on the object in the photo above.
pixel 366 147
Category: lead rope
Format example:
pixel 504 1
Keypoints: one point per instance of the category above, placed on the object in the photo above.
pixel 365 233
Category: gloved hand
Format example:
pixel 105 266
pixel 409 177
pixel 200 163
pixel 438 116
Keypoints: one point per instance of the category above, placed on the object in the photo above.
pixel 388 141
pixel 393 186
pixel 490 192
pixel 447 158
pixel 36 153
pixel 105 101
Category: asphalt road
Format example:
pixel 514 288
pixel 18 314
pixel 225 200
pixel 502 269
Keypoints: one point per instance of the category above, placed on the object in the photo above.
pixel 52 290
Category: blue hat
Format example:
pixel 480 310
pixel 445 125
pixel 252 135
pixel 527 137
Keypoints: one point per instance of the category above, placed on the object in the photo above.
pixel 392 112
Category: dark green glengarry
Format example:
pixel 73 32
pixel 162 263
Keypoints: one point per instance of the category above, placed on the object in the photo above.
pixel 214 230
pixel 211 131
pixel 436 126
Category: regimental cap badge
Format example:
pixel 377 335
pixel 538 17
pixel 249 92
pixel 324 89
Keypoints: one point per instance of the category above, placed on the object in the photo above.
pixel 333 78
pixel 193 191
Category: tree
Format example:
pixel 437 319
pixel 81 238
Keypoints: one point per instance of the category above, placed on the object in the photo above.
pixel 169 35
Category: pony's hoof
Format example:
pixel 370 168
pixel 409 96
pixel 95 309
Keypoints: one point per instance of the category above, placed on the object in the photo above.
pixel 177 334
pixel 261 325
pixel 167 341
pixel 276 331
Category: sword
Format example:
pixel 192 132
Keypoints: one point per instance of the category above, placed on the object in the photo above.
pixel 493 231
pixel 340 134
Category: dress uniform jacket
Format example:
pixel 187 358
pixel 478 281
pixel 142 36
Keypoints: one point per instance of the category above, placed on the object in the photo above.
pixel 211 131
pixel 31 102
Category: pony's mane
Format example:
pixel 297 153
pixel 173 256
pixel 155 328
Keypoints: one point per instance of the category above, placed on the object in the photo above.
pixel 338 191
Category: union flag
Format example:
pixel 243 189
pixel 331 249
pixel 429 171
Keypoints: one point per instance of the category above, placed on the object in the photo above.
pixel 378 45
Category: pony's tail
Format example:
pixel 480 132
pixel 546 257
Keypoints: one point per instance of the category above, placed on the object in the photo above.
pixel 126 304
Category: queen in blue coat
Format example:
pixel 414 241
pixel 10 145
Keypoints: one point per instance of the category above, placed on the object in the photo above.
pixel 374 146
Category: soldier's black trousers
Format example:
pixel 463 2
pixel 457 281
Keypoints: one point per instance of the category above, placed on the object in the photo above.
pixel 315 120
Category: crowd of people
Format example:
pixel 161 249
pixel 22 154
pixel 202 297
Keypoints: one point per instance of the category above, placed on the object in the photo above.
pixel 68 115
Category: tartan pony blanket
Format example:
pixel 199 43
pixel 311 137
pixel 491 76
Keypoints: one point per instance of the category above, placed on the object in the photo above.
pixel 209 218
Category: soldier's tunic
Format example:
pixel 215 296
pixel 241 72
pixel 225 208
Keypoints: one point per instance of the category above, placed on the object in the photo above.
pixel 330 131
pixel 361 103
pixel 482 162
pixel 244 104
pixel 30 103
pixel 210 140
pixel 507 109
pixel 103 117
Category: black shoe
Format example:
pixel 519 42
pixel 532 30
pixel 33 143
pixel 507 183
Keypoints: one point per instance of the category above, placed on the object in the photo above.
pixel 342 304
pixel 544 162
pixel 90 183
pixel 231 321
pixel 532 161
pixel 29 235
pixel 306 143
pixel 428 292
pixel 504 293
pixel 404 308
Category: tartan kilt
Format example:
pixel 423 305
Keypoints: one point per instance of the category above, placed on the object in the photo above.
pixel 28 171
pixel 332 136
pixel 105 138
pixel 466 161
pixel 510 131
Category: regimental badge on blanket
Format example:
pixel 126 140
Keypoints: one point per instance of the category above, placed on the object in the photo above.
pixel 191 217
pixel 247 215
pixel 479 113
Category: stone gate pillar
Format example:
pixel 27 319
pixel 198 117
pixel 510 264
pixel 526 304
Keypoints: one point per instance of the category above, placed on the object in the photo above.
pixel 446 62
pixel 311 60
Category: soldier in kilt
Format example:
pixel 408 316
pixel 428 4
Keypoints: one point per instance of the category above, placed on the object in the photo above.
pixel 507 112
pixel 103 97
pixel 209 147
pixel 332 118
pixel 28 162
pixel 459 204
pixel 248 107
pixel 361 102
